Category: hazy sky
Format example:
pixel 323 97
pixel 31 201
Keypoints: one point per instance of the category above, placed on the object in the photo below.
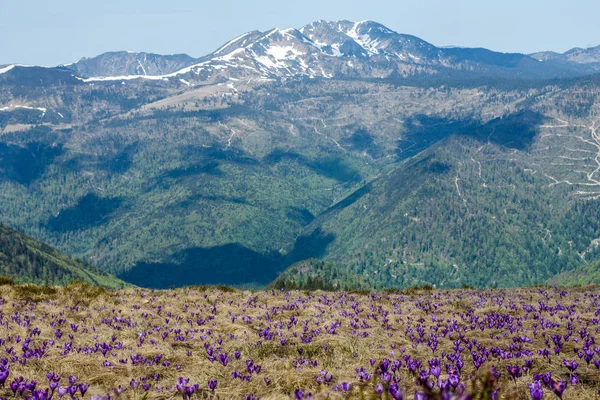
pixel 50 32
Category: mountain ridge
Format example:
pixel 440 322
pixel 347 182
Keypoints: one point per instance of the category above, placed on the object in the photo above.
pixel 326 49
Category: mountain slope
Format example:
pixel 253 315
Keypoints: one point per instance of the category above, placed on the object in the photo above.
pixel 588 274
pixel 122 63
pixel 584 56
pixel 164 197
pixel 576 55
pixel 166 188
pixel 484 207
pixel 29 261
pixel 584 60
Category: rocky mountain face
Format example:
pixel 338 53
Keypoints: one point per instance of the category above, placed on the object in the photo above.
pixel 125 63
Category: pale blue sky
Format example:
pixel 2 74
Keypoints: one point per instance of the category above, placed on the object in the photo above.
pixel 50 32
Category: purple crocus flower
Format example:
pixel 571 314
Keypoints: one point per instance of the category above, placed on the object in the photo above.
pixel 223 359
pixel 574 380
pixel 420 396
pixel 83 387
pixel 495 394
pixel 395 392
pixel 62 391
pixel 454 380
pixel 212 385
pixel 3 377
pixel 188 391
pixel 514 371
pixel 118 390
pixel 571 365
pixel 559 387
pixel 72 390
pixel 535 389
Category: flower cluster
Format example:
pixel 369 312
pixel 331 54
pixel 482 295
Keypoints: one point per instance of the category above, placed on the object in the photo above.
pixel 207 343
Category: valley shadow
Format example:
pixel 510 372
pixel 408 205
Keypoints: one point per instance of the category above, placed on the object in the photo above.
pixel 26 164
pixel 122 161
pixel 118 163
pixel 363 141
pixel 515 131
pixel 329 167
pixel 301 215
pixel 89 211
pixel 422 131
pixel 230 264
pixel 313 245
pixel 428 165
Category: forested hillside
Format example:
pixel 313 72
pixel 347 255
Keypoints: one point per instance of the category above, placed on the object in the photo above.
pixel 29 261
pixel 449 178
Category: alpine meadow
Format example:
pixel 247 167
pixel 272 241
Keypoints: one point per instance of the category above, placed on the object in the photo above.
pixel 337 211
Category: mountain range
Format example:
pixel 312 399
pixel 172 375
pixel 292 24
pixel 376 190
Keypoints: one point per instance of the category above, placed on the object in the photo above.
pixel 329 49
pixel 393 161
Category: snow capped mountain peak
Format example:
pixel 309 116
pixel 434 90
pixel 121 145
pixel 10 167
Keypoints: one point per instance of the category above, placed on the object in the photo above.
pixel 322 49
pixel 368 38
pixel 369 27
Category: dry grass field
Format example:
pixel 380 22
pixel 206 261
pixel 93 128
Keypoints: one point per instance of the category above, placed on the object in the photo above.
pixel 219 343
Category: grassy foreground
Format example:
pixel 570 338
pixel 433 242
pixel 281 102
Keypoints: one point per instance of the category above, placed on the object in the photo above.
pixel 217 343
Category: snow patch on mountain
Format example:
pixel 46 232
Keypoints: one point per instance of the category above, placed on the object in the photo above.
pixel 283 52
pixel 226 45
pixel 6 69
pixel 125 78
pixel 18 106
